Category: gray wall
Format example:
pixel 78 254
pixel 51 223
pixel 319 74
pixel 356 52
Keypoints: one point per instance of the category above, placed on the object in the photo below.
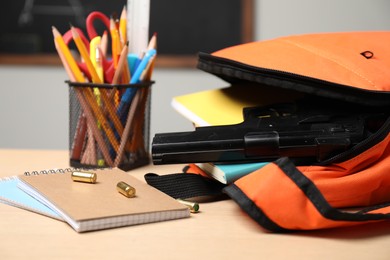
pixel 34 99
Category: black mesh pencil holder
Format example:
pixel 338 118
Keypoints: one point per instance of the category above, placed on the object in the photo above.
pixel 109 125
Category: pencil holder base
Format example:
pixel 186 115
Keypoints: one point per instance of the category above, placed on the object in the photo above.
pixel 124 166
pixel 109 125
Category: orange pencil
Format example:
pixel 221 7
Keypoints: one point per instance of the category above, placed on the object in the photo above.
pixel 79 137
pixel 115 42
pixel 108 104
pixel 137 139
pixel 152 42
pixel 96 109
pixel 121 64
pixel 75 74
pixel 122 70
pixel 90 156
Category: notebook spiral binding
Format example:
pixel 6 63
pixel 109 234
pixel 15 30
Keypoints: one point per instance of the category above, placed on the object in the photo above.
pixel 52 171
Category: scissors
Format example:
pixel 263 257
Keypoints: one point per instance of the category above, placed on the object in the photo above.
pixel 108 65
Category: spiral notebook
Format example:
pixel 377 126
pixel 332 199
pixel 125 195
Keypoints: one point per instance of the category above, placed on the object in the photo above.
pixel 10 194
pixel 88 207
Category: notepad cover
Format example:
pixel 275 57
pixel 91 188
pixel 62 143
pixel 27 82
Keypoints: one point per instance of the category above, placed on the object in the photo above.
pixel 88 207
pixel 224 106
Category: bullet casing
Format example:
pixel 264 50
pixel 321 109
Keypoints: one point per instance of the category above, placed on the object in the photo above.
pixel 125 189
pixel 87 177
pixel 193 206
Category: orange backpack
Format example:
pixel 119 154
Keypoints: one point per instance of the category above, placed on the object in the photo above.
pixel 352 187
pixel 281 196
pixel 351 66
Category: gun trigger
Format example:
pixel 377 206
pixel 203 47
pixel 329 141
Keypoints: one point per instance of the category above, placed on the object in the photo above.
pixel 250 112
pixel 278 110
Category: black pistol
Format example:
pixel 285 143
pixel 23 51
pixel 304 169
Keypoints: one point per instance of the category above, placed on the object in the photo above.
pixel 306 131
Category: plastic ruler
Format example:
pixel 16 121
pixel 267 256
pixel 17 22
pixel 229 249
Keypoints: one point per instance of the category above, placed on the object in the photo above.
pixel 138 15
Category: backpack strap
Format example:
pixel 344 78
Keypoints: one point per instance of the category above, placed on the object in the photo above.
pixel 190 184
pixel 281 198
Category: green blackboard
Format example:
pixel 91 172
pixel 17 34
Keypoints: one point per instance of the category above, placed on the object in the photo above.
pixel 184 27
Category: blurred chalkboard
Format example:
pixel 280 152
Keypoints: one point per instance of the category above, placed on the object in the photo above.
pixel 183 27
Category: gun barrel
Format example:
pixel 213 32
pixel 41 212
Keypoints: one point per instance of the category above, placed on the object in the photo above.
pixel 305 137
pixel 188 147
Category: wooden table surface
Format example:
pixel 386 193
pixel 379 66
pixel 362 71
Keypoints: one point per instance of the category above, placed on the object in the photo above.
pixel 219 231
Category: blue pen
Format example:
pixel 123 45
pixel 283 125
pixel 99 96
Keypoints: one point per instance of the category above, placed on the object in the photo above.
pixel 130 92
pixel 142 66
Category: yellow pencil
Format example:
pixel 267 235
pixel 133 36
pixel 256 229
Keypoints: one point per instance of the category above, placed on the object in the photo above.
pixel 96 59
pixel 123 25
pixel 85 55
pixel 64 50
pixel 95 79
pixel 76 75
pixel 95 56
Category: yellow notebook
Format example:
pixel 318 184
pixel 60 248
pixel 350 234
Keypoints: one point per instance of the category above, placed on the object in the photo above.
pixel 87 207
pixel 224 106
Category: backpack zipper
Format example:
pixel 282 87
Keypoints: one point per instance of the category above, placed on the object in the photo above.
pixel 234 71
pixel 364 145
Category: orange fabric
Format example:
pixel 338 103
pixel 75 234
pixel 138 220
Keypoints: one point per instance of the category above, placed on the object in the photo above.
pixel 194 169
pixel 282 201
pixel 359 182
pixel 333 57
